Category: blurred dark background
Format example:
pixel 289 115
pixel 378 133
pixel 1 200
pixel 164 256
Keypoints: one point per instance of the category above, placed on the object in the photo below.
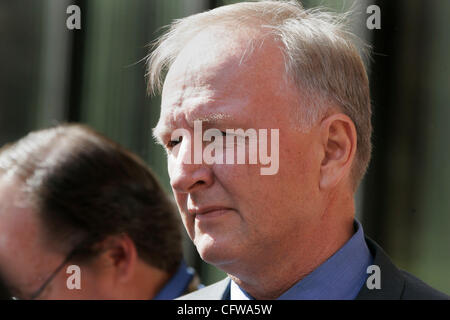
pixel 50 74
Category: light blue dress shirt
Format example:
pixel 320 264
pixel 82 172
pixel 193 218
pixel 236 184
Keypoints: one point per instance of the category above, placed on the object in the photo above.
pixel 341 277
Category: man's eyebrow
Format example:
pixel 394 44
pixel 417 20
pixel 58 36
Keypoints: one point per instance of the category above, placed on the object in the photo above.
pixel 210 119
pixel 214 117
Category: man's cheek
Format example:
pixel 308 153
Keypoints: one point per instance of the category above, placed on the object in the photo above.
pixel 233 174
pixel 189 224
pixel 187 218
pixel 170 168
pixel 181 200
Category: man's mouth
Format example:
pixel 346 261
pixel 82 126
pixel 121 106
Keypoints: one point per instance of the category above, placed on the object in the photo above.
pixel 209 212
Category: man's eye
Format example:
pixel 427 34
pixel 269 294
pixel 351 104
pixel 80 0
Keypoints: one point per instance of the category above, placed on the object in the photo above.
pixel 173 143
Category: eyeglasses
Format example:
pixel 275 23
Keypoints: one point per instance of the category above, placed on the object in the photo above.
pixel 71 254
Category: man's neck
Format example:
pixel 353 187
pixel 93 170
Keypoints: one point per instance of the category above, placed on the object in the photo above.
pixel 284 268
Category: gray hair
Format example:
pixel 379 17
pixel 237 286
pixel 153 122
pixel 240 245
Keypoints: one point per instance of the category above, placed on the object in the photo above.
pixel 321 57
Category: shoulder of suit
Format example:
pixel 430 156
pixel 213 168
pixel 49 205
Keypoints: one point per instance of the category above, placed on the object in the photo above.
pixel 215 291
pixel 416 289
pixel 395 283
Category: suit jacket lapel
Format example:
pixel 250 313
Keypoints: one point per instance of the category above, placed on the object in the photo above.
pixel 392 282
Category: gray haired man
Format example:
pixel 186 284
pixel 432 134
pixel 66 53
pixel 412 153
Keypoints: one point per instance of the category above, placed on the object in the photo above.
pixel 272 65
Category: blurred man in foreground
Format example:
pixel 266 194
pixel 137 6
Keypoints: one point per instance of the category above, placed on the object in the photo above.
pixel 73 201
pixel 291 234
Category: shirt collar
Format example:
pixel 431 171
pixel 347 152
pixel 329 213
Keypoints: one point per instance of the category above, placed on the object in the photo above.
pixel 178 284
pixel 338 278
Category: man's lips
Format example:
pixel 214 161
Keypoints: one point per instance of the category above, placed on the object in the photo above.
pixel 208 212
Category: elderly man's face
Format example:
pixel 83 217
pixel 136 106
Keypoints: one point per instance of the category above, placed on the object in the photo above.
pixel 232 213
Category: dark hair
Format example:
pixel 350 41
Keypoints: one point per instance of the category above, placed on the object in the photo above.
pixel 84 185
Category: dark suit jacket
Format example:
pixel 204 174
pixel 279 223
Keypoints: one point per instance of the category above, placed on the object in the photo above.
pixel 396 284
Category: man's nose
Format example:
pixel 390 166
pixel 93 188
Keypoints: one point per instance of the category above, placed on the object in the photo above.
pixel 187 176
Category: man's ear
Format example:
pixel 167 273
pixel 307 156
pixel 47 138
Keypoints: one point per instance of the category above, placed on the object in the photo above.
pixel 339 139
pixel 119 254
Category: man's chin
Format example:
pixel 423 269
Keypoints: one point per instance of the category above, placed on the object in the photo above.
pixel 215 252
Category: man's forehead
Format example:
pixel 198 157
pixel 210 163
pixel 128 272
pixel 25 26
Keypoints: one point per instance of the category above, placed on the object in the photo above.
pixel 203 83
pixel 218 50
pixel 217 44
pixel 218 74
pixel 18 218
pixel 202 73
pixel 16 213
